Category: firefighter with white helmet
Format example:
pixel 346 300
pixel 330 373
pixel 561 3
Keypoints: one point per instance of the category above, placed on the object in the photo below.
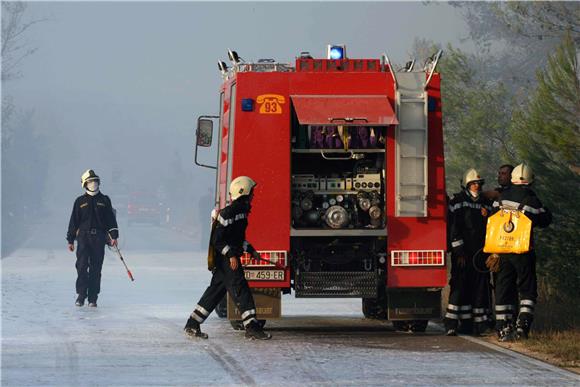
pixel 517 272
pixel 92 224
pixel 229 243
pixel 469 298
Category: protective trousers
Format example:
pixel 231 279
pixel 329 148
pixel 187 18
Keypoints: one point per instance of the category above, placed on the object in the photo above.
pixel 469 297
pixel 231 281
pixel 90 255
pixel 516 275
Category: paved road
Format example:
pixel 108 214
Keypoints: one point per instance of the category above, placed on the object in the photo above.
pixel 135 337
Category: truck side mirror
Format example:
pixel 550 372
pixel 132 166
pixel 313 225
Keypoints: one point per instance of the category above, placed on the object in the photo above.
pixel 204 132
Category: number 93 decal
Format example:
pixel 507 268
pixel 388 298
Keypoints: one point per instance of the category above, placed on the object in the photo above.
pixel 270 103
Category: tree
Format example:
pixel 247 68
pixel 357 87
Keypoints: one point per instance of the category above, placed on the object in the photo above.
pixel 547 135
pixel 475 115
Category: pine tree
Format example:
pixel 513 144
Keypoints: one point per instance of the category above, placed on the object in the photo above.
pixel 547 136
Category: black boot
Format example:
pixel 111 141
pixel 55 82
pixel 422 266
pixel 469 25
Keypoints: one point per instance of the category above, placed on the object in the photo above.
pixel 255 331
pixel 522 329
pixel 507 333
pixel 80 301
pixel 193 329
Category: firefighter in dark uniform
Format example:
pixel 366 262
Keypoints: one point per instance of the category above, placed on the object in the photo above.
pixel 517 272
pixel 92 224
pixel 229 242
pixel 469 298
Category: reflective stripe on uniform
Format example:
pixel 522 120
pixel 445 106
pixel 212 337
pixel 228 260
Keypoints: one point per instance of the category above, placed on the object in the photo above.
pixel 202 310
pixel 478 310
pixel 251 312
pixel 499 308
pixel 465 316
pixel 527 302
pixel 465 307
pixel 466 204
pixel 197 318
pixel 452 316
pixel 503 316
pixel 525 309
pixel 516 205
pixel 225 250
pixel 457 243
pixel 480 319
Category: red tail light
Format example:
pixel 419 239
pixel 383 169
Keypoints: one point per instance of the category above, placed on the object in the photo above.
pixel 417 258
pixel 276 257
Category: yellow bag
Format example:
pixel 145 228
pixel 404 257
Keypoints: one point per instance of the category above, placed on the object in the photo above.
pixel 508 232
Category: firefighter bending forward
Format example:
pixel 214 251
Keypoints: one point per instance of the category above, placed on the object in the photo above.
pixel 517 272
pixel 93 224
pixel 469 297
pixel 228 276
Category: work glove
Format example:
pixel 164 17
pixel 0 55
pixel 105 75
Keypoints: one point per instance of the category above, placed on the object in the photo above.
pixel 492 263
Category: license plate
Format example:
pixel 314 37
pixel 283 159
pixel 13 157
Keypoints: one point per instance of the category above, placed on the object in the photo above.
pixel 264 275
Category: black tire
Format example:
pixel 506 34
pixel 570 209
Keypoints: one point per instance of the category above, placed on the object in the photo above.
pixel 237 325
pixel 414 326
pixel 418 325
pixel 402 326
pixel 372 308
pixel 222 308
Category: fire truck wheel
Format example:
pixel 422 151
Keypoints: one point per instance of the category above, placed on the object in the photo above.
pixel 237 325
pixel 418 325
pixel 222 308
pixel 371 308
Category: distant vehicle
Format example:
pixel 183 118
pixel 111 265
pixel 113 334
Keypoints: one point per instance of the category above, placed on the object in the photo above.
pixel 143 207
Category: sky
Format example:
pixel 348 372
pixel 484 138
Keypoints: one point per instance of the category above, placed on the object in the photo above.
pixel 118 86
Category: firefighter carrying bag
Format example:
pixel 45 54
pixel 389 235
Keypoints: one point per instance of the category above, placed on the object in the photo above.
pixel 508 232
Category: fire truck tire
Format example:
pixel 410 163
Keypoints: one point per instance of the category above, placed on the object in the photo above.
pixel 414 326
pixel 372 308
pixel 418 325
pixel 222 308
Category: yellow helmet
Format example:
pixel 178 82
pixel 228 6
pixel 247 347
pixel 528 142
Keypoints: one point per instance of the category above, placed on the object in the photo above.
pixel 88 175
pixel 522 175
pixel 471 176
pixel 241 186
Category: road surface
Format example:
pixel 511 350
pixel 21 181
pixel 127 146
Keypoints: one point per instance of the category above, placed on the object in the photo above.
pixel 135 335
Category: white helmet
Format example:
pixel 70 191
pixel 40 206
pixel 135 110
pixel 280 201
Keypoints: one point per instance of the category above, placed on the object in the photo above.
pixel 241 186
pixel 89 175
pixel 522 175
pixel 472 176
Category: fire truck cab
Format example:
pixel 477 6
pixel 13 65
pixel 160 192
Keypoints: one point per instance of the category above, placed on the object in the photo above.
pixel 350 201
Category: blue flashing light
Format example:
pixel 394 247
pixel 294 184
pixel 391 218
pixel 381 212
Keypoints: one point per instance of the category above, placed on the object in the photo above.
pixel 336 52
pixel 247 104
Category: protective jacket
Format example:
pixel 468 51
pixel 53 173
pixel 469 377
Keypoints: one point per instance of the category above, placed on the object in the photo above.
pixel 230 233
pixel 92 213
pixel 468 219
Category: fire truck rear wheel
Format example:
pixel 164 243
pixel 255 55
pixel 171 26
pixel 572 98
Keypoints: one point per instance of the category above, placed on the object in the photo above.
pixel 411 325
pixel 222 308
pixel 372 308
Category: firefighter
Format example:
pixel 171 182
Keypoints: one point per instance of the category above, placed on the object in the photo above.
pixel 92 224
pixel 228 276
pixel 469 297
pixel 517 272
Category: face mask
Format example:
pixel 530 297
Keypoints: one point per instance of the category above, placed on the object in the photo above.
pixel 92 187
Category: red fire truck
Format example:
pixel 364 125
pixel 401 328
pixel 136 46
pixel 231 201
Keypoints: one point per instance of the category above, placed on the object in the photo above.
pixel 350 202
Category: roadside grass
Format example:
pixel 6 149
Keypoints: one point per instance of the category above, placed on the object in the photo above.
pixel 556 329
